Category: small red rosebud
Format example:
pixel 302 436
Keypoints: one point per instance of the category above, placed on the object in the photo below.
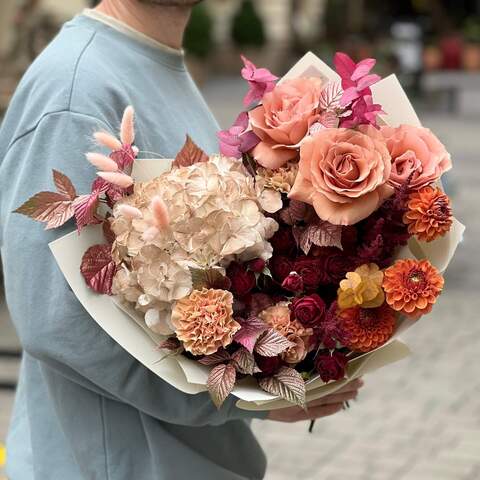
pixel 293 282
pixel 257 265
pixel 243 281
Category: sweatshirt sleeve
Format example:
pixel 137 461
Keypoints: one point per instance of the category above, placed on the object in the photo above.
pixel 52 325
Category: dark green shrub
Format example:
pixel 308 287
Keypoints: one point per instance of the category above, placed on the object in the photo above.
pixel 198 38
pixel 247 26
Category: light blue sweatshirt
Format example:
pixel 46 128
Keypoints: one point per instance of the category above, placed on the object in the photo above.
pixel 85 409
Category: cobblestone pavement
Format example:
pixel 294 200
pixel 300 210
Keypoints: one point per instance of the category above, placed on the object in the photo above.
pixel 418 419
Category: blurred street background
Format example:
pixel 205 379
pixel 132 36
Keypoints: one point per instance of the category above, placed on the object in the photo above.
pixel 418 419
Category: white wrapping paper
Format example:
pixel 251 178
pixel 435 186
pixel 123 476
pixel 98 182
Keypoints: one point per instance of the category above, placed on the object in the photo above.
pixel 126 327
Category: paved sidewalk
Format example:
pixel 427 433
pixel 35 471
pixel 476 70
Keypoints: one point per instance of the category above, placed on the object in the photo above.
pixel 418 419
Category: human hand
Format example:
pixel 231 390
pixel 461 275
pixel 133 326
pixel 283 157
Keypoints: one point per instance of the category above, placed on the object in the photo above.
pixel 323 407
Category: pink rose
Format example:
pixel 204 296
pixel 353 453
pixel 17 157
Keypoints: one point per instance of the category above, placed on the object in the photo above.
pixel 343 174
pixel 283 120
pixel 417 151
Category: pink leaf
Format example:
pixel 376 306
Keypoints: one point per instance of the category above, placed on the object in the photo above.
pixel 189 154
pixel 344 65
pixel 349 95
pixel 330 96
pixel 215 358
pixel 51 208
pixel 320 233
pixel 64 185
pixel 294 213
pixel 272 343
pixel 220 383
pixel 288 384
pixel 363 68
pixel 124 157
pixel 251 329
pixel 98 268
pixel 85 207
pixel 367 81
pixel 244 362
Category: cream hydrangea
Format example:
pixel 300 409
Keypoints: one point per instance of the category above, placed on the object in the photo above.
pixel 215 217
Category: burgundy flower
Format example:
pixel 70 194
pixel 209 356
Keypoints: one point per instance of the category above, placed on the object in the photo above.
pixel 336 266
pixel 256 265
pixel 331 367
pixel 268 365
pixel 280 267
pixel 242 280
pixel 330 330
pixel 308 310
pixel 283 242
pixel 293 282
pixel 310 269
pixel 349 238
pixel 258 302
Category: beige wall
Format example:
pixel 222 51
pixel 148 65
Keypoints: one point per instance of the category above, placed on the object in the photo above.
pixel 7 12
pixel 64 8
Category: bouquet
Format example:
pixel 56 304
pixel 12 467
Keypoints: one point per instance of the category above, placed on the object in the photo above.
pixel 281 268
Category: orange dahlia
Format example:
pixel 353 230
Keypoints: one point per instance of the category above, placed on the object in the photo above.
pixel 412 286
pixel 366 328
pixel 429 214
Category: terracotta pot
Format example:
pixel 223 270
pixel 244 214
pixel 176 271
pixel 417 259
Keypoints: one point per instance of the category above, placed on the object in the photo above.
pixel 432 58
pixel 471 56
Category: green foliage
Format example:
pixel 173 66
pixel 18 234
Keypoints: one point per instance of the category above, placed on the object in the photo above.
pixel 198 39
pixel 471 29
pixel 247 26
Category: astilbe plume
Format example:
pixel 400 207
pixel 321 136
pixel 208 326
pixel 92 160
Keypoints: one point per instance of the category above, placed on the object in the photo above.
pixel 385 230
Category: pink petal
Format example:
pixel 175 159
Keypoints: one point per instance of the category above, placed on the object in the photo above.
pixel 344 65
pixel 119 179
pixel 267 157
pixel 102 162
pixel 248 141
pixel 363 68
pixel 107 140
pixel 127 133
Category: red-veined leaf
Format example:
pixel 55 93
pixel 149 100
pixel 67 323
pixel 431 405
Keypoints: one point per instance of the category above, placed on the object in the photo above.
pixel 272 343
pixel 220 382
pixel 251 329
pixel 51 208
pixel 295 212
pixel 64 185
pixel 189 154
pixel 288 384
pixel 244 362
pixel 124 157
pixel 98 268
pixel 344 65
pixel 215 358
pixel 85 207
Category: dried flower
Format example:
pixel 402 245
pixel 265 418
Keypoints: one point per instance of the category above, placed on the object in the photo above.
pixel 281 179
pixel 308 310
pixel 412 286
pixel 366 329
pixel 204 322
pixel 429 214
pixel 363 287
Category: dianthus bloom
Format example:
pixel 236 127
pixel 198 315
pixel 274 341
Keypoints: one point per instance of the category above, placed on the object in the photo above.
pixel 366 329
pixel 204 322
pixel 363 287
pixel 412 286
pixel 429 214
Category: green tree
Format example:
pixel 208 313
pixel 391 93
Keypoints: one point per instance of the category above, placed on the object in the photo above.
pixel 247 26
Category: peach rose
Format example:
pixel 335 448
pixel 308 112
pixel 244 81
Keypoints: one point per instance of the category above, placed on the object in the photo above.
pixel 343 174
pixel 415 150
pixel 283 120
